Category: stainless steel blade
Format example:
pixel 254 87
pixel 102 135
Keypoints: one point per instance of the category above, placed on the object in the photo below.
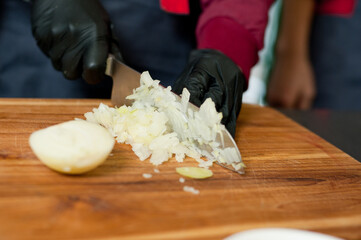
pixel 226 141
pixel 125 79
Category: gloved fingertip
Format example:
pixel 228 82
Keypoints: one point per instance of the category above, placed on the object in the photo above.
pixel 94 63
pixel 94 75
pixel 95 57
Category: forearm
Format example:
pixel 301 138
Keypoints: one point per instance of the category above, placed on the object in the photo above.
pixel 235 27
pixel 292 83
pixel 295 28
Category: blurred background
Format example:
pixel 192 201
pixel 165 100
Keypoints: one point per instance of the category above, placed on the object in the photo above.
pixel 310 68
pixel 311 58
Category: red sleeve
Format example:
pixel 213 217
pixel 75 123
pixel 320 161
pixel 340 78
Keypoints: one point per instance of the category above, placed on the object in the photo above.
pixel 234 27
pixel 336 7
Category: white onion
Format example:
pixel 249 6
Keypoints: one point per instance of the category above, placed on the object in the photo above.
pixel 159 126
pixel 72 147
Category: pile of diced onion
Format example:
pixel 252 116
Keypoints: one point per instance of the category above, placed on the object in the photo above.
pixel 158 126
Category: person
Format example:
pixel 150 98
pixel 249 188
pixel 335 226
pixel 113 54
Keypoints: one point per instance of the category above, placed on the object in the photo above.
pixel 318 54
pixel 78 35
pixel 258 79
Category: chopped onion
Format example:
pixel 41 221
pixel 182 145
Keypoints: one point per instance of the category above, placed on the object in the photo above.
pixel 194 172
pixel 159 126
pixel 147 175
pixel 191 190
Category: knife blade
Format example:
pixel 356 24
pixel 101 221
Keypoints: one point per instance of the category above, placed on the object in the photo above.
pixel 125 79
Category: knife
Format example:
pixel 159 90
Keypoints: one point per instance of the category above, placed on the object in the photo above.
pixel 125 79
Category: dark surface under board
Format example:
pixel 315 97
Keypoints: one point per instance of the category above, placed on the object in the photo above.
pixel 341 128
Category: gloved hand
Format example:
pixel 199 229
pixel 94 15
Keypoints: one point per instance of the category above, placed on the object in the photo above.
pixel 76 35
pixel 210 73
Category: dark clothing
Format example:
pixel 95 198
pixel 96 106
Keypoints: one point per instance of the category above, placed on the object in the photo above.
pixel 336 59
pixel 152 40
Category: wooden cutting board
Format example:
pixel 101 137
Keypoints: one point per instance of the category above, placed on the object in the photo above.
pixel 293 179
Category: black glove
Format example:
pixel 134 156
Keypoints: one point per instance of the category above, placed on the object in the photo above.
pixel 210 73
pixel 76 35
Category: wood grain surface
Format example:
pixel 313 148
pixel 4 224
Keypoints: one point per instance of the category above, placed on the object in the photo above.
pixel 293 179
